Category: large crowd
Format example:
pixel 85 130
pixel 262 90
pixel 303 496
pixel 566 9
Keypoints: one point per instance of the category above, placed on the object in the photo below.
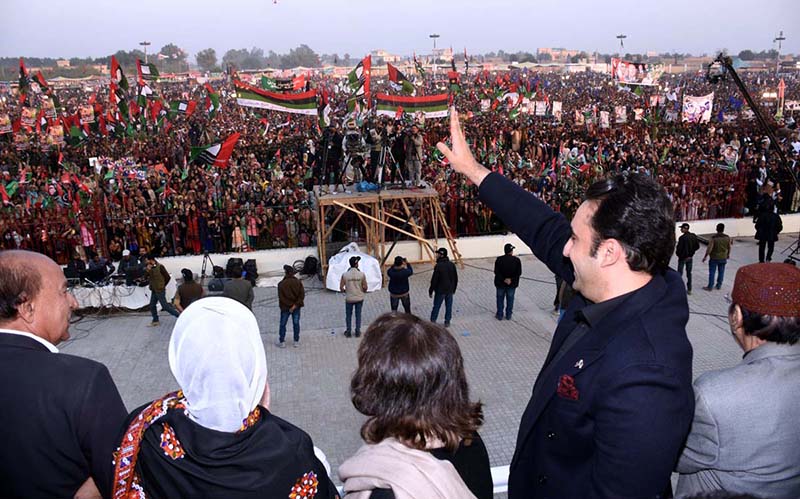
pixel 142 193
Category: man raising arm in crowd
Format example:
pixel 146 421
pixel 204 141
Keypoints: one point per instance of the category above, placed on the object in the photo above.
pixel 613 403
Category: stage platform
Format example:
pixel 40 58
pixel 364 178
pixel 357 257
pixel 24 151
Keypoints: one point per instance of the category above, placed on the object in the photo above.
pixel 353 196
pixel 414 214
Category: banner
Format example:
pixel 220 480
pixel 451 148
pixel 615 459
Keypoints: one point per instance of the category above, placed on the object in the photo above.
pixel 433 106
pixel 620 114
pixel 284 84
pixel 28 117
pixel 654 100
pixel 638 114
pixel 635 73
pixel 792 105
pixel 557 110
pixel 21 141
pixel 579 119
pixel 87 114
pixel 730 155
pixel 55 135
pixel 541 107
pixel 604 119
pixel 485 104
pixel 5 124
pixel 48 107
pixel 302 103
pixel 697 109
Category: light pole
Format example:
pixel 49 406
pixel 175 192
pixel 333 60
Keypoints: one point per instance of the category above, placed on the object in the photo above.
pixel 621 44
pixel 434 36
pixel 778 39
pixel 145 45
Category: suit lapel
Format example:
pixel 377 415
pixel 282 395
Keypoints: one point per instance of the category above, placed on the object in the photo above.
pixel 588 350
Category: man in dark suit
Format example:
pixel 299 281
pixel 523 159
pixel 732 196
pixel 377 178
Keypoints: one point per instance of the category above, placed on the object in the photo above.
pixel 613 403
pixel 61 415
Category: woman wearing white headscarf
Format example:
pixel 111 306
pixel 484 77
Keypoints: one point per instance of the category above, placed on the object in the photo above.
pixel 216 437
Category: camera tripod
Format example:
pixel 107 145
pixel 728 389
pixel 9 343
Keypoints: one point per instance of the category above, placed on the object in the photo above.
pixel 206 260
pixel 386 159
pixel 794 250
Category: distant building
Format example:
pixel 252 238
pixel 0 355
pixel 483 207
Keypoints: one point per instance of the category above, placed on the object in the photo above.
pixel 386 56
pixel 557 54
pixel 62 63
pixel 443 53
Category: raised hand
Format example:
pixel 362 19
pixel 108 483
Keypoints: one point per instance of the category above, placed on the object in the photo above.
pixel 460 157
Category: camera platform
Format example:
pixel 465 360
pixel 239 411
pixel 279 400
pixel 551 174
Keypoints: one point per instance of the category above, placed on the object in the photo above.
pixel 385 217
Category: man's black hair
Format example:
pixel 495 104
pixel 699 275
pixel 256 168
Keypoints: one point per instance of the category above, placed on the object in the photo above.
pixel 634 210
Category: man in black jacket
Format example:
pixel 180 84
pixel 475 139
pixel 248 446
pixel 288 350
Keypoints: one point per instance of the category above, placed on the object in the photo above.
pixel 507 269
pixel 444 282
pixel 398 284
pixel 685 250
pixel 61 414
pixel 612 406
pixel 768 226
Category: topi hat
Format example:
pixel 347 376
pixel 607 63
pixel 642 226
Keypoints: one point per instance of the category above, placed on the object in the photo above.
pixel 768 288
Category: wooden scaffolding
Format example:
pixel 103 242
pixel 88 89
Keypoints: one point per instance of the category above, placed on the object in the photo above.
pixel 403 211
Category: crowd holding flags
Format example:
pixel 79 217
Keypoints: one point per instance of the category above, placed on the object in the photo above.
pixel 146 71
pixel 217 154
pixel 359 82
pixel 399 82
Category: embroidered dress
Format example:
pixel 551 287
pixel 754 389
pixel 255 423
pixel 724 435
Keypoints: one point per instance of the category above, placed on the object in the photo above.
pixel 165 454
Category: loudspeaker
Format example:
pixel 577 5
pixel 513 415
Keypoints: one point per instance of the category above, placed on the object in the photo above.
pixel 310 266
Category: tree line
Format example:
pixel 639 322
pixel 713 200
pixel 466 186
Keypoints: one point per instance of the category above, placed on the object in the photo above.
pixel 171 58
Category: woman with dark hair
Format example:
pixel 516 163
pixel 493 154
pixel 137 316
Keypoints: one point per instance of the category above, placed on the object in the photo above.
pixel 421 432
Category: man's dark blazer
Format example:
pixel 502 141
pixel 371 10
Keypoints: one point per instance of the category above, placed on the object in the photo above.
pixel 611 415
pixel 60 416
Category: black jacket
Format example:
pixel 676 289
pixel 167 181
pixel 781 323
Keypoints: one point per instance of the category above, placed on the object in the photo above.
pixel 445 277
pixel 507 267
pixel 687 246
pixel 398 279
pixel 59 421
pixel 610 415
pixel 768 226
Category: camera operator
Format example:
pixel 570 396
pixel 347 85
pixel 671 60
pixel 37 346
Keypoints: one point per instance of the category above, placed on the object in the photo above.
pixel 375 139
pixel 413 148
pixel 354 149
pixel 394 135
pixel 331 151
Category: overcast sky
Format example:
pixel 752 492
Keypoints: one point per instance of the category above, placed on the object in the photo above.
pixel 80 28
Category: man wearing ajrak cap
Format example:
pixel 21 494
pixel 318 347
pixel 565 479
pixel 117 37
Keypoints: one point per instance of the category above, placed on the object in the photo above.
pixel 744 436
